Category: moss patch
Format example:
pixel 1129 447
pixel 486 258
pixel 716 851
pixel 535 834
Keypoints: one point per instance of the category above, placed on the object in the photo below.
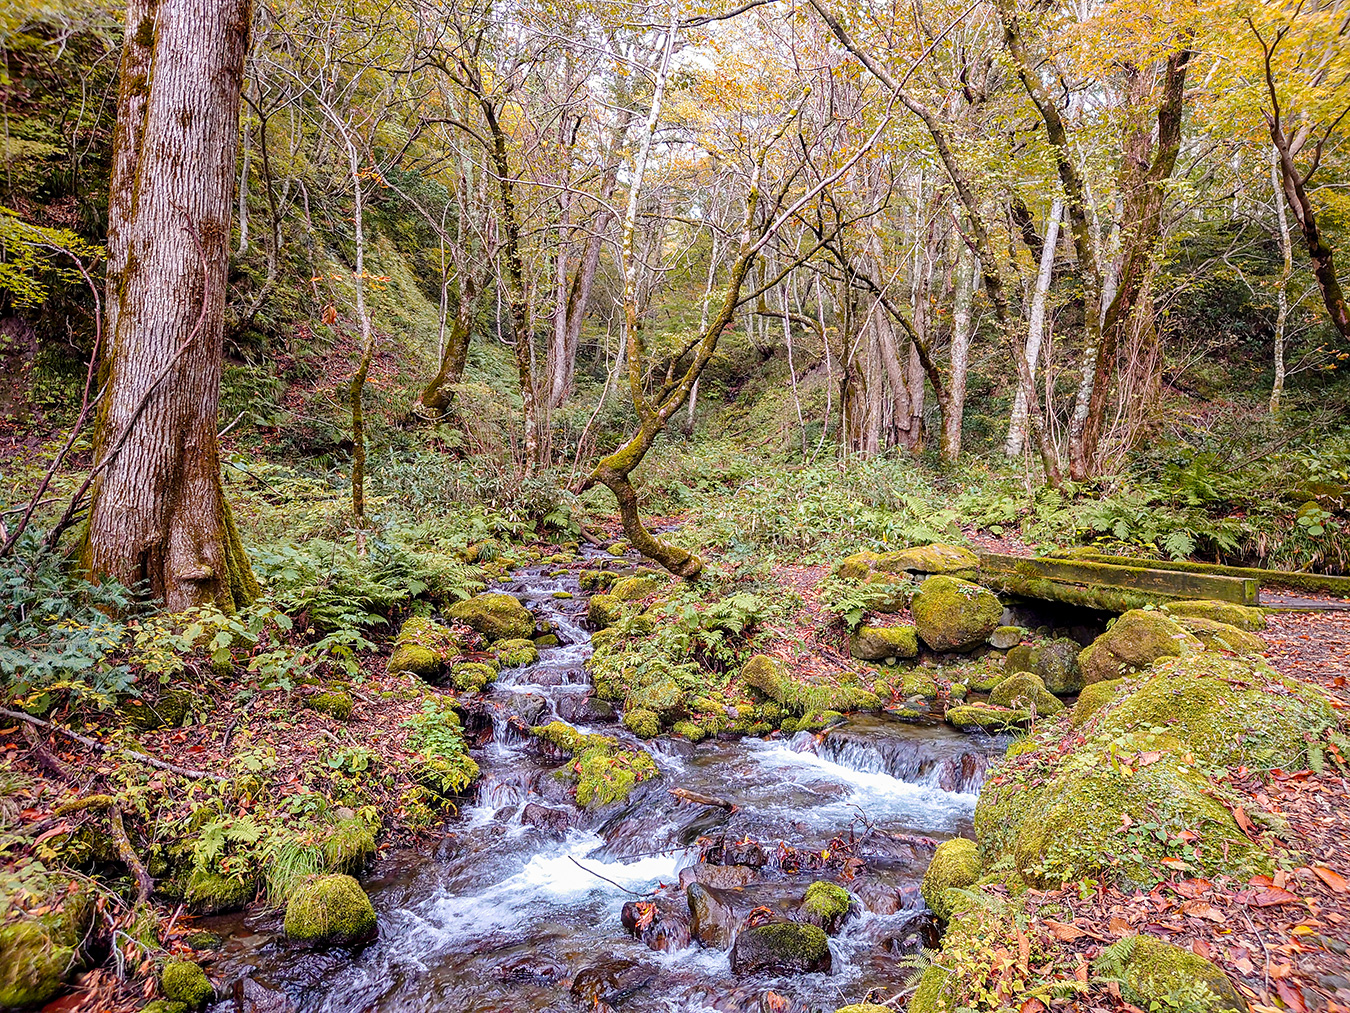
pixel 423 646
pixel 642 723
pixel 826 904
pixel 987 717
pixel 32 964
pixel 602 770
pixel 1243 617
pixel 515 653
pixel 1158 975
pixel 1094 698
pixel 334 703
pixel 1217 636
pixel 1024 691
pixel 496 616
pixel 210 893
pixel 955 615
pixel 329 910
pixel 873 643
pixel 471 676
pixel 185 982
pixel 955 865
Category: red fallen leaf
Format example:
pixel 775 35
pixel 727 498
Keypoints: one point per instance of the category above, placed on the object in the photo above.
pixel 1032 1005
pixel 1175 863
pixel 1151 756
pixel 1244 821
pixel 1192 887
pixel 1118 924
pixel 774 1002
pixel 1333 879
pixel 1063 932
pixel 1260 881
pixel 1272 896
pixel 646 914
pixel 1292 996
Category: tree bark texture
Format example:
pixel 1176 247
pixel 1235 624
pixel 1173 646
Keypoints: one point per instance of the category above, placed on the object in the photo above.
pixel 158 513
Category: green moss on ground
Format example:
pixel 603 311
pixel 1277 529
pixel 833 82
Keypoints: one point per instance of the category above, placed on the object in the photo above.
pixel 329 910
pixel 1159 975
pixel 334 703
pixel 1217 636
pixel 349 845
pixel 33 964
pixel 955 865
pixel 1093 699
pixel 1025 691
pixel 210 893
pixel 767 676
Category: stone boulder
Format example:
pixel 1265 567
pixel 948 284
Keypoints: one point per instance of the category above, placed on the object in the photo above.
pixel 781 948
pixel 495 616
pixel 986 717
pixel 329 910
pixel 767 676
pixel 1134 642
pixel 955 865
pixel 826 905
pixel 1006 637
pixel 1242 616
pixel 1056 662
pixel 1024 691
pixel 551 821
pixel 953 560
pixel 422 648
pixel 1217 636
pixel 875 643
pixel 1153 973
pixel 712 917
pixel 955 615
pixel 185 982
pixel 719 877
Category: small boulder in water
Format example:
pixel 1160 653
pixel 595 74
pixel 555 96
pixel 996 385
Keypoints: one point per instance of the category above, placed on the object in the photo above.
pixel 826 905
pixel 781 948
pixel 611 981
pixel 551 821
pixel 657 923
pixel 719 877
pixel 744 853
pixel 330 910
pixel 712 919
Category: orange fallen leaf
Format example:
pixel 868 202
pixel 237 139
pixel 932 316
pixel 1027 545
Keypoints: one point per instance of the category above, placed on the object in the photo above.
pixel 1292 996
pixel 1272 896
pixel 1333 879
pixel 1032 1005
pixel 1064 932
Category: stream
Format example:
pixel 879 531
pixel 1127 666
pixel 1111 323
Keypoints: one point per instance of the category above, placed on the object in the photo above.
pixel 518 906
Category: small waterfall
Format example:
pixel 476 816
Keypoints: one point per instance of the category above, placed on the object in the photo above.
pixel 871 747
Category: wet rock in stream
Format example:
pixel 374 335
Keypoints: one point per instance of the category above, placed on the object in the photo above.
pixel 719 877
pixel 551 821
pixel 611 981
pixel 712 918
pixel 781 948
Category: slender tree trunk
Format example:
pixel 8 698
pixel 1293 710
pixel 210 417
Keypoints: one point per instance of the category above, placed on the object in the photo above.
pixel 158 513
pixel 1282 292
pixel 1017 427
pixel 954 410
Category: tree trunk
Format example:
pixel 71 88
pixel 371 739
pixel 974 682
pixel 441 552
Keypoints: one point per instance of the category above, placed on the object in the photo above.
pixel 158 513
pixel 1017 427
pixel 1282 292
pixel 953 413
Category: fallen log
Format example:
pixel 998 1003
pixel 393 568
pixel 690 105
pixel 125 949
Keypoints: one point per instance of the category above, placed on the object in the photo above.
pixel 1292 580
pixel 1107 586
pixel 685 795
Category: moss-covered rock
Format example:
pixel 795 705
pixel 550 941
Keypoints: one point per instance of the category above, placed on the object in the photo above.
pixel 660 695
pixel 185 982
pixel 1159 975
pixel 1242 616
pixel 349 844
pixel 604 610
pixel 515 653
pixel 617 549
pixel 422 648
pixel 937 558
pixel 495 616
pixel 918 683
pixel 930 995
pixel 987 717
pixel 1217 636
pixel 169 710
pixel 596 580
pixel 33 964
pixel 873 643
pixel 334 703
pixel 1025 691
pixel 781 948
pixel 1136 640
pixel 1228 711
pixel 1094 698
pixel 642 723
pixel 471 676
pixel 955 865
pixel 864 1007
pixel 955 615
pixel 826 905
pixel 329 910
pixel 856 566
pixel 767 676
pixel 602 770
pixel 1056 662
pixel 210 893
pixel 635 588
pixel 691 730
pixel 1072 829
pixel 164 1006
pixel 1006 637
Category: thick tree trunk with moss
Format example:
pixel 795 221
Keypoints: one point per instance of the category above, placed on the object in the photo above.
pixel 158 513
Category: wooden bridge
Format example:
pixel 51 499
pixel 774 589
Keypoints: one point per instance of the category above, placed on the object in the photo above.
pixel 1120 583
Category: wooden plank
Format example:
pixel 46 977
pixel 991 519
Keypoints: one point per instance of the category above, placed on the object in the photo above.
pixel 1159 585
pixel 1294 580
pixel 1094 596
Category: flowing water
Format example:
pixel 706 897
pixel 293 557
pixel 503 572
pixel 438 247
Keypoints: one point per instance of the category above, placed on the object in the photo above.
pixel 518 907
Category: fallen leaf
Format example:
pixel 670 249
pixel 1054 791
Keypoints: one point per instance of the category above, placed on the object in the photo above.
pixel 1203 909
pixel 1331 878
pixel 1292 996
pixel 1192 887
pixel 1032 1005
pixel 1244 821
pixel 1271 897
pixel 1119 925
pixel 1063 932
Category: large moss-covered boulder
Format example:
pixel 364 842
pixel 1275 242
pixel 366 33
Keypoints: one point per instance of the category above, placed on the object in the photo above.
pixel 1242 616
pixel 634 588
pixel 826 905
pixel 185 982
pixel 874 643
pixel 856 566
pixel 1025 691
pixel 422 648
pixel 955 615
pixel 1136 640
pixel 329 910
pixel 496 616
pixel 642 723
pixel 1159 975
pixel 1217 636
pixel 33 964
pixel 1056 662
pixel 767 676
pixel 604 610
pixel 515 653
pixel 781 948
pixel 209 893
pixel 1227 711
pixel 955 865
pixel 1076 827
pixel 953 560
